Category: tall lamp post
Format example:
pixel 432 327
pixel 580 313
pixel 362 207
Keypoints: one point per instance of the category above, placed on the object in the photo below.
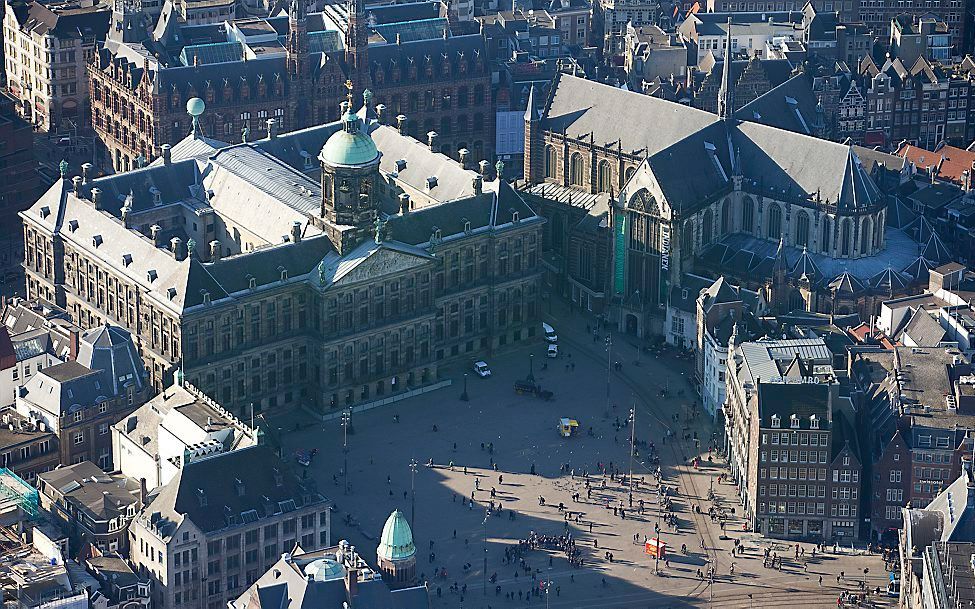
pixel 346 420
pixel 531 367
pixel 464 397
pixel 632 447
pixel 413 465
pixel 487 514
pixel 609 363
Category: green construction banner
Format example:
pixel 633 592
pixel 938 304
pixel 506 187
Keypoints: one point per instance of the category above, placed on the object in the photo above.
pixel 620 254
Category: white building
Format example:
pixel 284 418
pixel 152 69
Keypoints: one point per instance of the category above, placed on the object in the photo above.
pixel 46 50
pixel 750 32
pixel 152 443
pixel 725 316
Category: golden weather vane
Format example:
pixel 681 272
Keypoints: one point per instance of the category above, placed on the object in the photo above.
pixel 348 85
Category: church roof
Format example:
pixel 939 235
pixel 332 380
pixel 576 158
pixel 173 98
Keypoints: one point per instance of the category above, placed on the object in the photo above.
pixel 806 266
pixel 918 269
pixel 889 280
pixel 847 284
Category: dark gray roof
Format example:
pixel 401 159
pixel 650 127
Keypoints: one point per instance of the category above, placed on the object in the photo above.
pixel 257 467
pixel 924 330
pixel 110 349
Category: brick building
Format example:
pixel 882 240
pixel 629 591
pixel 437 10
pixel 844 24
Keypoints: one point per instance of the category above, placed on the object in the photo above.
pixel 791 442
pixel 80 400
pixel 287 68
pixel 19 181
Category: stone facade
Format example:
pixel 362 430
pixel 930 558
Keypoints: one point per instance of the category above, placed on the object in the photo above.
pixel 277 315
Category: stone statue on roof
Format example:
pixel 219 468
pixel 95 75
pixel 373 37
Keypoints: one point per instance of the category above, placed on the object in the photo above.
pixel 322 272
pixel 63 166
pixel 379 225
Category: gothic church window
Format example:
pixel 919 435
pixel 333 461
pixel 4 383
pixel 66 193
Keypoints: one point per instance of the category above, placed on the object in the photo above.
pixel 706 228
pixel 551 159
pixel 845 237
pixel 802 229
pixel 605 176
pixel 824 242
pixel 774 222
pixel 575 169
pixel 725 216
pixel 747 214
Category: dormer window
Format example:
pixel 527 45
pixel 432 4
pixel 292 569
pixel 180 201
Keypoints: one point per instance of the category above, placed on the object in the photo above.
pixel 171 293
pixel 467 226
pixel 96 240
pixel 126 259
pixel 305 155
pixel 813 422
pixel 201 496
pixel 794 421
pixel 776 421
pixel 515 217
pixel 251 282
pixel 400 164
pixel 45 211
pixel 152 275
pixel 156 195
pixel 431 182
pixel 72 225
pixel 284 273
pixel 206 296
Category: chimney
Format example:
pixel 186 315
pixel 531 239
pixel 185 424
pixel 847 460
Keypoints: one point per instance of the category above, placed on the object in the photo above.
pixel 142 492
pixel 432 140
pixel 76 182
pixel 86 173
pixel 478 185
pixel 96 197
pixel 178 248
pixel 484 167
pixel 73 337
pixel 215 250
pixel 167 154
pixel 296 232
pixel 463 153
pixel 352 582
pixel 272 130
pixel 155 231
pixel 404 203
pixel 401 123
pixel 381 114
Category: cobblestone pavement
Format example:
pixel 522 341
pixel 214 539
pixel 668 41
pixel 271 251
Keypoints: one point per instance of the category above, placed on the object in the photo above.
pixel 453 534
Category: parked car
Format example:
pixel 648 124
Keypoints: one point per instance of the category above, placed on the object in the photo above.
pixel 482 370
pixel 524 387
pixel 550 335
pixel 553 350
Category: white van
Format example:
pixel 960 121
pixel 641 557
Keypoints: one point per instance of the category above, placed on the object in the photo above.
pixel 550 335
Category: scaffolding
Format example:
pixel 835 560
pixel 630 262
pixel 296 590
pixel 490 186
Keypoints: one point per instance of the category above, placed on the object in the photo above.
pixel 14 491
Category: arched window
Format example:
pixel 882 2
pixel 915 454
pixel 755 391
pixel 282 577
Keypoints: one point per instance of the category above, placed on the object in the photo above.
pixel 845 237
pixel 551 159
pixel 605 176
pixel 629 173
pixel 706 226
pixel 478 123
pixel 747 214
pixel 575 169
pixel 865 236
pixel 824 241
pixel 802 229
pixel 725 216
pixel 774 224
pixel 687 242
pixel 878 233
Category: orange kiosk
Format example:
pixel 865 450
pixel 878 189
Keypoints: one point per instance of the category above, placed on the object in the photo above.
pixel 656 548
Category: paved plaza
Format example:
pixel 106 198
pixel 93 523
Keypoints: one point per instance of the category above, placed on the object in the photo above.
pixel 452 532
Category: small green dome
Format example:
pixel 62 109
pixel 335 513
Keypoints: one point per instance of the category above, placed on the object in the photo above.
pixel 349 145
pixel 396 542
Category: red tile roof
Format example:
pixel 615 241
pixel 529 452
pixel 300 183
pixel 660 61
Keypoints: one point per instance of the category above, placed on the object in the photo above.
pixel 950 162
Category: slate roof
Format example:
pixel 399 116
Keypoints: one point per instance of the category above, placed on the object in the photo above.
pixel 691 285
pixel 90 490
pixel 924 330
pixel 255 466
pixel 918 269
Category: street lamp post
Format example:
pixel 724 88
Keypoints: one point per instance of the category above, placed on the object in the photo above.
pixel 487 514
pixel 413 465
pixel 346 420
pixel 531 367
pixel 632 447
pixel 464 397
pixel 609 362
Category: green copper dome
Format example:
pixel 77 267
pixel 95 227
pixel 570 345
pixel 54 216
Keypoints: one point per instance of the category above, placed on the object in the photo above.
pixel 396 542
pixel 350 145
